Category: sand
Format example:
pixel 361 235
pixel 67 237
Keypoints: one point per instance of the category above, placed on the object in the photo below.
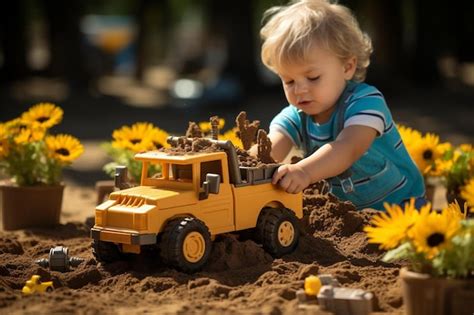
pixel 240 277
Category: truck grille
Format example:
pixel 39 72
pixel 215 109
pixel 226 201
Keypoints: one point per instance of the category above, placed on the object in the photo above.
pixel 130 201
pixel 121 215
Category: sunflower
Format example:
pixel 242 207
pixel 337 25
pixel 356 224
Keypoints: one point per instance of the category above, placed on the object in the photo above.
pixel 44 114
pixel 159 137
pixel 4 148
pixel 3 141
pixel 29 134
pixel 135 137
pixel 206 126
pixel 409 136
pixel 433 232
pixel 454 210
pixel 15 126
pixel 426 151
pixel 466 148
pixel 439 167
pixel 3 131
pixel 64 148
pixel 232 136
pixel 391 227
pixel 467 193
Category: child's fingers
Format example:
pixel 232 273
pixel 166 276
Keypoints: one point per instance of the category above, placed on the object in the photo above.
pixel 292 188
pixel 285 183
pixel 280 172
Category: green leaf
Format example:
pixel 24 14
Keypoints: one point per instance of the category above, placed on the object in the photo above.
pixel 405 250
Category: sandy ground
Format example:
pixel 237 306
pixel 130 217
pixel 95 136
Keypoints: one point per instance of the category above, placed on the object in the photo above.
pixel 240 278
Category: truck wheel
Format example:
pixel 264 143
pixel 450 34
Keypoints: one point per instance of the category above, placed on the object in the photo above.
pixel 279 231
pixel 49 289
pixel 105 251
pixel 260 228
pixel 185 244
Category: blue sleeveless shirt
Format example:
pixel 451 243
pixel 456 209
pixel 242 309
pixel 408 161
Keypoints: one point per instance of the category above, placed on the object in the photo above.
pixel 385 173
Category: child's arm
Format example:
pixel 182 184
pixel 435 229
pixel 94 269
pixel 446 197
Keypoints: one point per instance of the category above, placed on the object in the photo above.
pixel 330 160
pixel 281 146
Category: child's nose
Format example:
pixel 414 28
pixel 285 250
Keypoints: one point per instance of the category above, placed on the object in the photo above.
pixel 300 88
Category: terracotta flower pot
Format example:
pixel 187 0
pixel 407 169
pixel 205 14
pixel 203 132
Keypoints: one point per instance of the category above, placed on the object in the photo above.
pixel 36 206
pixel 425 295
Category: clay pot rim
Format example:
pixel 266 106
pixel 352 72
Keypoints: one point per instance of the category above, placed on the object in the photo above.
pixel 408 274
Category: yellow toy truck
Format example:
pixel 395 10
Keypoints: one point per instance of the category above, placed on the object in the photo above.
pixel 35 285
pixel 196 196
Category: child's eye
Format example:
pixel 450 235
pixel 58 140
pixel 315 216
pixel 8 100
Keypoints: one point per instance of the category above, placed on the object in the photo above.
pixel 289 82
pixel 314 78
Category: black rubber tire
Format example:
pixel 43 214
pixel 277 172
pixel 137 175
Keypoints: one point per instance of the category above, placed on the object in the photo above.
pixel 172 240
pixel 49 289
pixel 268 226
pixel 259 229
pixel 105 251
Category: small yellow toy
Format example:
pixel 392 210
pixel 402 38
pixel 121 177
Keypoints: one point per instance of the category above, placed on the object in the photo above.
pixel 324 293
pixel 312 285
pixel 35 285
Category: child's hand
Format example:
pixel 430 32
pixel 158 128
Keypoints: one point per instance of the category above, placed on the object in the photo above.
pixel 291 178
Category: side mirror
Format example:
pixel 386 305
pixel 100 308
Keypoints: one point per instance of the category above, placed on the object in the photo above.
pixel 210 186
pixel 121 177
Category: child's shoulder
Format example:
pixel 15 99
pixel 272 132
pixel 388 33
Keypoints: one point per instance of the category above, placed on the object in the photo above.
pixel 367 104
pixel 362 89
pixel 364 95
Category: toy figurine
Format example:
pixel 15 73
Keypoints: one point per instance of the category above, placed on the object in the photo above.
pixel 323 292
pixel 35 285
pixel 59 259
pixel 312 285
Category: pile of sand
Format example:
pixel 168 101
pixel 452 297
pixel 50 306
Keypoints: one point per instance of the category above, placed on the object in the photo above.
pixel 239 278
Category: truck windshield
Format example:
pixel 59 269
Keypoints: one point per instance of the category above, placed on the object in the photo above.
pixel 181 172
pixel 168 171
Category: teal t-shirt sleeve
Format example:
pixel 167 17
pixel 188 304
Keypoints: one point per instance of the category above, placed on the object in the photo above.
pixel 288 122
pixel 367 107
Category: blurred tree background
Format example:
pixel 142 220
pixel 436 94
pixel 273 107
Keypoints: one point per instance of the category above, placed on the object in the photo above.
pixel 179 60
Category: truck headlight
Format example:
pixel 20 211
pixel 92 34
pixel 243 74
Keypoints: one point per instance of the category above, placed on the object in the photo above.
pixel 140 221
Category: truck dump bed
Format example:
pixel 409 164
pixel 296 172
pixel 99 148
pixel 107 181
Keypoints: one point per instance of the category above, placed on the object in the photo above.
pixel 257 175
pixel 239 175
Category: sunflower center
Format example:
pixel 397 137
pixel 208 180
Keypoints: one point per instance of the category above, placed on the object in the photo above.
pixel 135 141
pixel 63 151
pixel 435 239
pixel 428 155
pixel 42 119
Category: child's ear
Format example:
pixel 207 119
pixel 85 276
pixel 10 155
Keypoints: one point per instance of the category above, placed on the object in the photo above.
pixel 350 68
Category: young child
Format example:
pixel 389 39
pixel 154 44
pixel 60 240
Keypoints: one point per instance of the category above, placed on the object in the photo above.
pixel 343 125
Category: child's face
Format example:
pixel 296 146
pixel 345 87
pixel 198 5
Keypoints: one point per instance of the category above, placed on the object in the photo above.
pixel 315 85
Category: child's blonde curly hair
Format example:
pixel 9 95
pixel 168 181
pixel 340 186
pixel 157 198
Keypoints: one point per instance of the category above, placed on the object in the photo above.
pixel 291 30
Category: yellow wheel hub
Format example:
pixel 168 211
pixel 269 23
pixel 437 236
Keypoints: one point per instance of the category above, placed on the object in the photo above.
pixel 194 247
pixel 286 233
